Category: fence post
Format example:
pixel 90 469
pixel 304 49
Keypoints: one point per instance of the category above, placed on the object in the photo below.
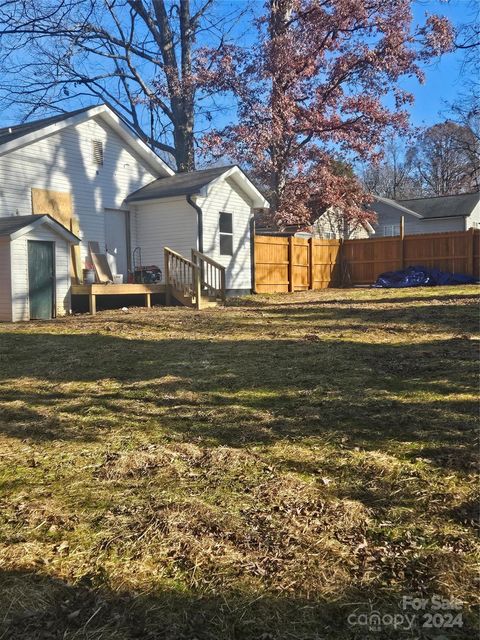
pixel 310 263
pixel 402 242
pixel 290 264
pixel 470 250
pixel 253 238
pixel 340 261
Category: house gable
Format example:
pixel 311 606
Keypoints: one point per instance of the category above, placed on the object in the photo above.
pixel 12 138
pixel 65 162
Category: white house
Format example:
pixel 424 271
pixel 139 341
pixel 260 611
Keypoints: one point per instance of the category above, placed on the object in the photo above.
pixel 90 172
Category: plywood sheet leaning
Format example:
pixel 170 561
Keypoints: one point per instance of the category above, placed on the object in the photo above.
pixel 93 247
pixel 57 204
pixel 76 259
pixel 102 267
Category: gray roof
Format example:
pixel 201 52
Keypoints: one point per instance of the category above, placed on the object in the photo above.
pixel 181 184
pixel 443 206
pixel 14 131
pixel 11 224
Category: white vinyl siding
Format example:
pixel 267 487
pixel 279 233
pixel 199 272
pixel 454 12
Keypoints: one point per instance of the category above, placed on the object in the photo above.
pixel 64 162
pixel 19 278
pixel 225 196
pixel 5 281
pixel 165 223
pixel 331 226
pixel 473 219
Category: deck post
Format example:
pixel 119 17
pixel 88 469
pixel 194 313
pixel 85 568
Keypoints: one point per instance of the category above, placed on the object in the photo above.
pixel 148 300
pixel 92 303
pixel 197 286
pixel 168 294
pixel 223 285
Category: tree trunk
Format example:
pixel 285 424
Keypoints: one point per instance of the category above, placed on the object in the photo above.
pixel 184 141
pixel 183 133
pixel 179 81
pixel 280 11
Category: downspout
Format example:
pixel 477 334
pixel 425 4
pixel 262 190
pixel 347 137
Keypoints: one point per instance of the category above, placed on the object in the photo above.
pixel 199 211
pixel 252 254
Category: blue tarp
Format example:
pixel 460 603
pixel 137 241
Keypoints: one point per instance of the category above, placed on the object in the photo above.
pixel 420 277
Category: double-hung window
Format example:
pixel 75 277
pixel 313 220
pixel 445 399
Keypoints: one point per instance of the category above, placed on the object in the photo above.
pixel 226 234
pixel 391 230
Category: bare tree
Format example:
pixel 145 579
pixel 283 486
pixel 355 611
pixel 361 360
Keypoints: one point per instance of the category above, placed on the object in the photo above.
pixel 445 159
pixel 392 176
pixel 147 59
pixel 467 37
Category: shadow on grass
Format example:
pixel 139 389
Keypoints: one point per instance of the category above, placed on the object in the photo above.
pixel 381 297
pixel 242 392
pixel 39 607
pixel 441 317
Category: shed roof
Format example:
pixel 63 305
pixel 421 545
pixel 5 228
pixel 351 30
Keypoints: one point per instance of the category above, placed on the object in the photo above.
pixel 460 205
pixel 181 184
pixel 14 226
pixel 189 184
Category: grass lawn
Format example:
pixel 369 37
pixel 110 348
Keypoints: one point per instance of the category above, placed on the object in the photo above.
pixel 262 471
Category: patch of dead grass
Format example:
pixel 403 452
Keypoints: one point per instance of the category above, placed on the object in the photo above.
pixel 239 474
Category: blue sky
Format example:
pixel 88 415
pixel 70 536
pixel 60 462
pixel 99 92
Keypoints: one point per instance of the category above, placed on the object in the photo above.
pixel 444 78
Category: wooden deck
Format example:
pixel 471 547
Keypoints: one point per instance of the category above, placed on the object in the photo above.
pixel 94 290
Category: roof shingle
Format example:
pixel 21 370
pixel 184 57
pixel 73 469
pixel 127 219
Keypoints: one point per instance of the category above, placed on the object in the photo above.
pixel 14 131
pixel 460 205
pixel 181 184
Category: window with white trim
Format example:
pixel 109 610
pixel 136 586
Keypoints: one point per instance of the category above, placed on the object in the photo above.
pixel 97 152
pixel 391 230
pixel 226 233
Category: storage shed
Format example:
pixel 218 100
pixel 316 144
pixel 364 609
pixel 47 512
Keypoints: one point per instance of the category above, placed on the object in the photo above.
pixel 34 268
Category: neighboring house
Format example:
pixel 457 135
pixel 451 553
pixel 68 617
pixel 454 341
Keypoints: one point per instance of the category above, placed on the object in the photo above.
pixel 330 225
pixel 89 171
pixel 427 215
pixel 421 215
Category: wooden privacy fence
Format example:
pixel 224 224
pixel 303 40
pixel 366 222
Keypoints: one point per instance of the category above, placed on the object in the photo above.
pixel 297 264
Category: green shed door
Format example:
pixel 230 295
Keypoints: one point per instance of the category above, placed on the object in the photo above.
pixel 41 279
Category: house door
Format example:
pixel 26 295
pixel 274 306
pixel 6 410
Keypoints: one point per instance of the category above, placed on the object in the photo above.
pixel 116 239
pixel 41 279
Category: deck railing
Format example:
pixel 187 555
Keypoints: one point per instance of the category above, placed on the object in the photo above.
pixel 181 274
pixel 212 275
pixel 188 279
